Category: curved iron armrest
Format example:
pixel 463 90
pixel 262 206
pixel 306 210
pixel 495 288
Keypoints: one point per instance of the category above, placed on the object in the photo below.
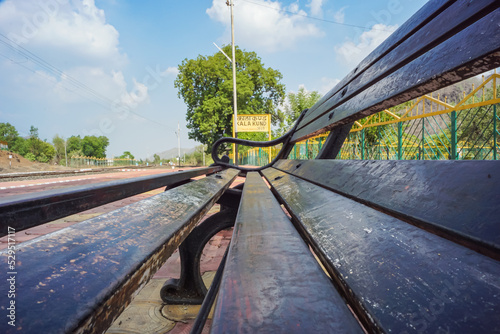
pixel 285 139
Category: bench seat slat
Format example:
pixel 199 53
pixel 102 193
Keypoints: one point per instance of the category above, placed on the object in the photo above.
pixel 406 279
pixel 79 279
pixel 460 198
pixel 271 281
pixel 471 51
pixel 25 211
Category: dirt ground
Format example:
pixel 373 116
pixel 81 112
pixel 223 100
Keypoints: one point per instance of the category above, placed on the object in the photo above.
pixel 20 164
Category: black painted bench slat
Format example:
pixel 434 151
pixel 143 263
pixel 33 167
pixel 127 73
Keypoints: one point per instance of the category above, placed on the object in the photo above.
pixel 458 199
pixel 397 277
pixel 431 58
pixel 82 277
pixel 25 211
pixel 271 282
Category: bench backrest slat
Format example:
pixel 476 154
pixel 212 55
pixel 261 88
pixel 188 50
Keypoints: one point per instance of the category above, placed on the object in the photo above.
pixel 460 42
pixel 398 277
pixel 425 14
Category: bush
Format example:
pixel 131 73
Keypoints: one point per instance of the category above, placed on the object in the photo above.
pixel 30 156
pixel 43 158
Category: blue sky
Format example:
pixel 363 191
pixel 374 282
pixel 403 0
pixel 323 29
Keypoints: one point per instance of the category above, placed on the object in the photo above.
pixel 107 67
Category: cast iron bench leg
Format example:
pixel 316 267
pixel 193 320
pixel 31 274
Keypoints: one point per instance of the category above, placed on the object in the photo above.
pixel 189 288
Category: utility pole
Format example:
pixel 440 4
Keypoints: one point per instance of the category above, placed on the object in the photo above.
pixel 178 133
pixel 204 155
pixel 235 106
pixel 66 152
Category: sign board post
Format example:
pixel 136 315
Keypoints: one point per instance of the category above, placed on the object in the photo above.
pixel 255 123
pixel 10 160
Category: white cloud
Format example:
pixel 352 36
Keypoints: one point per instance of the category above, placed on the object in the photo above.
pixel 352 53
pixel 84 61
pixel 170 71
pixel 339 16
pixel 261 24
pixel 77 29
pixel 316 9
pixel 327 84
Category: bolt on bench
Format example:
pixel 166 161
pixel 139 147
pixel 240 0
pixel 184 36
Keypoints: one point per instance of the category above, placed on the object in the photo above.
pixel 409 246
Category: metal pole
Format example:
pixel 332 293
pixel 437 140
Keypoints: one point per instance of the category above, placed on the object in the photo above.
pixel 178 133
pixel 453 135
pixel 494 132
pixel 363 144
pixel 269 131
pixel 423 136
pixel 235 104
pixel 400 140
pixel 66 153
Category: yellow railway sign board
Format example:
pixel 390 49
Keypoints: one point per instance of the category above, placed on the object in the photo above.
pixel 254 123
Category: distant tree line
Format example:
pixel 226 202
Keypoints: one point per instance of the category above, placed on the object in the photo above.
pixel 35 149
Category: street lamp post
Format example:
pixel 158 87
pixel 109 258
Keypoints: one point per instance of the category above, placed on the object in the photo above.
pixel 235 104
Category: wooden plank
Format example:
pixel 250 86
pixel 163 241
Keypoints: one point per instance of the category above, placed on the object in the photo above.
pixel 460 198
pixel 452 19
pixel 469 52
pixel 424 15
pixel 25 211
pixel 271 282
pixel 399 278
pixel 80 279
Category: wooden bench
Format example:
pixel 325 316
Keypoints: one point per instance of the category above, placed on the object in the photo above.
pixel 408 246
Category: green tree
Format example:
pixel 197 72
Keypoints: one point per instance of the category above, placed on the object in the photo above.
pixel 20 146
pixel 34 141
pixel 74 146
pixel 46 152
pixel 126 155
pixel 60 148
pixel 205 84
pixel 297 102
pixel 74 143
pixel 9 134
pixel 93 146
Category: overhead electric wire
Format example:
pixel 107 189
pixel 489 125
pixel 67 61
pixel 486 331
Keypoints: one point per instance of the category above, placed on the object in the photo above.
pixel 50 68
pixel 312 17
pixel 74 82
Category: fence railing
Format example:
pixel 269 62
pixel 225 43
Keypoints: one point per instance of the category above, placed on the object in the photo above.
pixel 78 161
pixel 428 128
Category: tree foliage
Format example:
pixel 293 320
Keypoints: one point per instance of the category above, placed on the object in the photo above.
pixel 8 133
pixel 297 102
pixel 93 146
pixel 35 149
pixel 205 84
pixel 60 149
pixel 126 155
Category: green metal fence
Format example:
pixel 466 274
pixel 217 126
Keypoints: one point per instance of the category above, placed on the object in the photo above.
pixel 90 162
pixel 428 128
